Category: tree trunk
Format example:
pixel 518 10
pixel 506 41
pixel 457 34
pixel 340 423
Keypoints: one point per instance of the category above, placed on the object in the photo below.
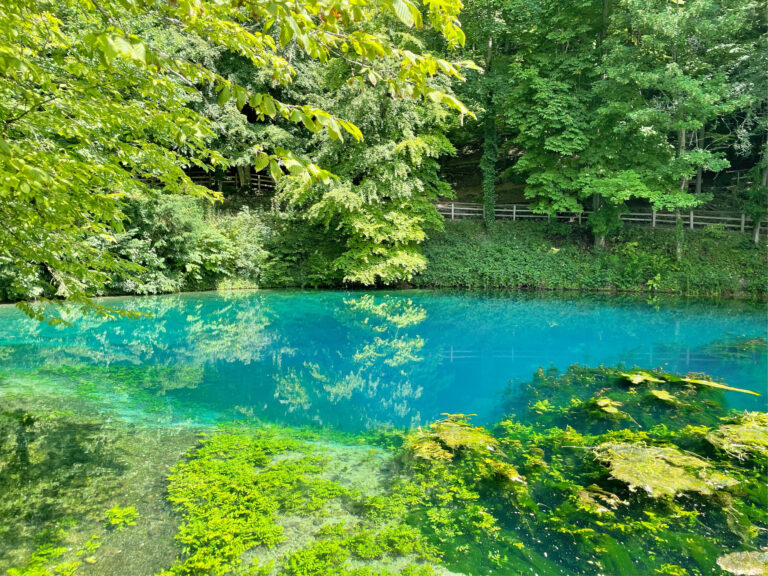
pixel 679 228
pixel 488 167
pixel 597 202
pixel 679 236
pixel 758 221
pixel 244 177
pixel 490 150
pixel 699 170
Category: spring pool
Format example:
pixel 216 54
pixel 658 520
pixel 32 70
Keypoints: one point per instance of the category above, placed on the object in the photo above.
pixel 94 415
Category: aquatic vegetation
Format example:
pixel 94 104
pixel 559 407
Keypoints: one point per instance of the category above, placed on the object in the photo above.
pixel 713 384
pixel 743 348
pixel 119 518
pixel 595 400
pixel 745 436
pixel 664 396
pixel 640 377
pixel 614 477
pixel 661 470
pixel 63 465
pixel 55 467
pixel 236 489
pixel 595 475
pixel 745 563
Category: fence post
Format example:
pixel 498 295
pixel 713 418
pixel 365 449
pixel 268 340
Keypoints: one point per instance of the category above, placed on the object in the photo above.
pixel 514 212
pixel 579 218
pixel 452 213
pixel 691 218
pixel 743 221
pixel 653 218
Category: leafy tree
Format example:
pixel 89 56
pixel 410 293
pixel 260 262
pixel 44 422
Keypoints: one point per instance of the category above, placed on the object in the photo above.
pixel 92 109
pixel 611 98
pixel 380 205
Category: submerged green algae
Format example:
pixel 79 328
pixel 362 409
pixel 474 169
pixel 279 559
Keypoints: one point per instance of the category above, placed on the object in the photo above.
pixel 563 488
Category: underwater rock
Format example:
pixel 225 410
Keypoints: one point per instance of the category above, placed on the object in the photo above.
pixel 661 471
pixel 663 396
pixel 745 563
pixel 449 435
pixel 744 438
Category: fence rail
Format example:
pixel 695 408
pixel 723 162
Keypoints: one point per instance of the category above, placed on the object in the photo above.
pixel 244 180
pixel 691 219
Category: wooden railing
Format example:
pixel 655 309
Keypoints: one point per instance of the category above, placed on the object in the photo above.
pixel 253 182
pixel 691 219
pixel 245 181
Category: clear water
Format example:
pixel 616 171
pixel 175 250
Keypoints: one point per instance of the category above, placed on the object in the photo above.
pixel 328 359
pixel 115 404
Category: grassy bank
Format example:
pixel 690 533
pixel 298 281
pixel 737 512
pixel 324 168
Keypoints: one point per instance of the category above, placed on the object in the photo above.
pixel 181 245
pixel 560 256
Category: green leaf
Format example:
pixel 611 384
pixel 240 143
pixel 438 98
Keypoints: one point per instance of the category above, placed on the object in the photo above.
pixel 224 95
pixel 403 12
pixel 261 162
pixel 275 171
pixel 334 130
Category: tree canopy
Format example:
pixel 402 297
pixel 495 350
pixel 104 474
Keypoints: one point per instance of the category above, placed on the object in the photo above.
pixel 351 106
pixel 99 105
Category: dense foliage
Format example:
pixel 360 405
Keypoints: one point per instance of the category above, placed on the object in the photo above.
pixel 607 102
pixel 103 100
pixel 560 256
pixel 108 106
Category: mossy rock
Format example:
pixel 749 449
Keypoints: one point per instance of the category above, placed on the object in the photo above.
pixel 745 563
pixel 661 471
pixel 746 437
pixel 447 436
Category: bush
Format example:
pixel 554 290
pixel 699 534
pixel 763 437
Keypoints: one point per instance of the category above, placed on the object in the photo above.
pixel 559 256
pixel 182 244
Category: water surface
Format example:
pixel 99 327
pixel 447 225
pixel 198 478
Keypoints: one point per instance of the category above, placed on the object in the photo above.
pixel 354 361
pixel 94 415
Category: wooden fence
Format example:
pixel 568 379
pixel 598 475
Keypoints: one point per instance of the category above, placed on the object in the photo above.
pixel 244 179
pixel 692 219
pixel 240 179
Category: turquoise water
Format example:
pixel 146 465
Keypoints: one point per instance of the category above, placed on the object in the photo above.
pixel 94 415
pixel 353 361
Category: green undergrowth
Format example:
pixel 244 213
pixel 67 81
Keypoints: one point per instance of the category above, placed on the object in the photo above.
pixel 560 256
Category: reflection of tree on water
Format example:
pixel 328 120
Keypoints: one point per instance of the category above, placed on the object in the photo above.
pixel 226 327
pixel 177 348
pixel 350 361
pixel 382 352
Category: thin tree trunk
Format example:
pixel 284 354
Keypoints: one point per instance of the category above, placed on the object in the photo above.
pixel 679 228
pixel 700 170
pixel 759 221
pixel 488 167
pixel 490 150
pixel 597 203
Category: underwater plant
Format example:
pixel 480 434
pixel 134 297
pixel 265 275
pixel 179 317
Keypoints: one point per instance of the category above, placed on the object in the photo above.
pixel 119 518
